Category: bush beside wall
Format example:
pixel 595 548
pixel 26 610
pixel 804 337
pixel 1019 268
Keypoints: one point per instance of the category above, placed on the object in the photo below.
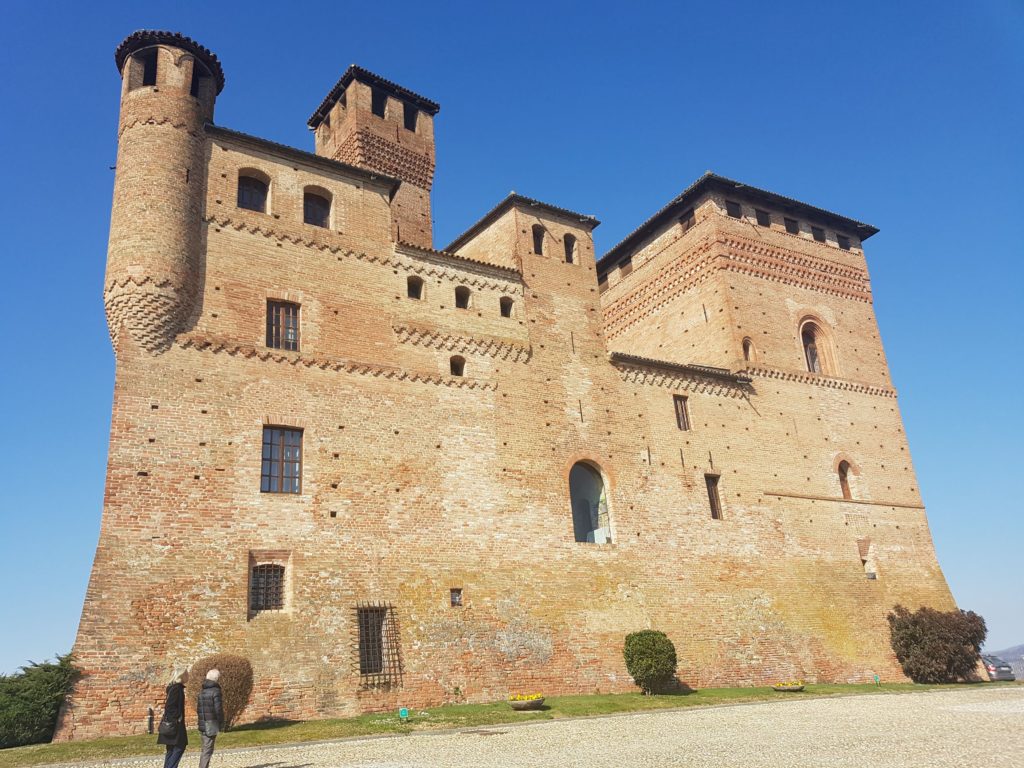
pixel 30 701
pixel 936 646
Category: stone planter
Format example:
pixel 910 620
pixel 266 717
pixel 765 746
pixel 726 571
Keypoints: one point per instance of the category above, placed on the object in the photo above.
pixel 787 688
pixel 527 704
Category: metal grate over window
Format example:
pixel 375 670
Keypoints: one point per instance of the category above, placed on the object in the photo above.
pixel 282 460
pixel 682 414
pixel 380 661
pixel 266 588
pixel 283 325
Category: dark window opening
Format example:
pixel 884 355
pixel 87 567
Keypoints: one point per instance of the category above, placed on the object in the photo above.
pixel 792 226
pixel 763 218
pixel 843 241
pixel 810 341
pixel 506 306
pixel 748 350
pixel 625 267
pixel 378 102
pixel 733 209
pixel 282 460
pixel 844 479
pixel 589 505
pixel 266 588
pixel 414 287
pixel 380 663
pixel 316 210
pixel 462 297
pixel 148 59
pixel 538 239
pixel 456 598
pixel 283 325
pixel 682 414
pixel 818 233
pixel 688 219
pixel 602 284
pixel 409 114
pixel 199 74
pixel 457 365
pixel 570 249
pixel 713 498
pixel 252 194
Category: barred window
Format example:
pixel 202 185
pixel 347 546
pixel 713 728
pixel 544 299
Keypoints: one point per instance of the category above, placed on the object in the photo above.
pixel 682 414
pixel 266 587
pixel 282 460
pixel 316 209
pixel 380 662
pixel 283 325
pixel 252 193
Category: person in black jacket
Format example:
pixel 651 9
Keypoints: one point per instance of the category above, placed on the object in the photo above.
pixel 172 724
pixel 210 709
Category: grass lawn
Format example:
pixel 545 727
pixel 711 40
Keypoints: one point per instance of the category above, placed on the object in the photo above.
pixel 453 716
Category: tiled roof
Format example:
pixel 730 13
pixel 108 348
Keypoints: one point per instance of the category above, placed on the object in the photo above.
pixel 355 72
pixel 510 201
pixel 144 38
pixel 303 156
pixel 691 368
pixel 459 257
pixel 710 181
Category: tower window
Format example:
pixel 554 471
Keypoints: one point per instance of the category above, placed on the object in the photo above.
pixel 455 595
pixel 688 219
pixel 316 209
pixel 792 226
pixel 748 350
pixel 818 233
pixel 812 339
pixel 844 479
pixel 378 102
pixel 682 414
pixel 505 303
pixel 380 663
pixel 625 267
pixel 570 249
pixel 733 209
pixel 713 498
pixel 457 365
pixel 462 297
pixel 148 59
pixel 283 325
pixel 282 460
pixel 266 587
pixel 764 218
pixel 414 287
pixel 843 241
pixel 252 193
pixel 589 504
pixel 538 239
pixel 409 114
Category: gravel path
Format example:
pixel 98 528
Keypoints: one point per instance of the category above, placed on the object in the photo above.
pixel 980 726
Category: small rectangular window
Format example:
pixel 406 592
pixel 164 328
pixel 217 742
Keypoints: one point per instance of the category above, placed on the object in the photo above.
pixel 764 218
pixel 379 659
pixel 733 209
pixel 818 234
pixel 148 66
pixel 409 114
pixel 379 102
pixel 713 498
pixel 283 325
pixel 682 415
pixel 456 598
pixel 625 267
pixel 281 470
pixel 266 587
pixel 602 284
pixel 843 241
pixel 792 226
pixel 688 219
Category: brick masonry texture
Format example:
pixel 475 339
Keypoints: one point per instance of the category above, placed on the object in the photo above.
pixel 416 481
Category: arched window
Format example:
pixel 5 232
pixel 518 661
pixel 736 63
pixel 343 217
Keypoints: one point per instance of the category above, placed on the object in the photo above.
pixel 538 239
pixel 253 192
pixel 748 350
pixel 506 306
pixel 316 208
pixel 589 504
pixel 817 352
pixel 462 297
pixel 844 479
pixel 570 249
pixel 457 365
pixel 414 287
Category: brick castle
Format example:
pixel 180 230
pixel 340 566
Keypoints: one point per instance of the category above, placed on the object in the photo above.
pixel 394 475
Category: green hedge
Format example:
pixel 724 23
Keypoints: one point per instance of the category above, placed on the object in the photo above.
pixel 650 659
pixel 30 701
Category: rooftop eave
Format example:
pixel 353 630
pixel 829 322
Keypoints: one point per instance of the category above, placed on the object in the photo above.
pixel 691 369
pixel 147 38
pixel 513 200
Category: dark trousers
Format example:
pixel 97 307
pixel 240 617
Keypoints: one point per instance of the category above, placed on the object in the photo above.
pixel 173 756
pixel 207 752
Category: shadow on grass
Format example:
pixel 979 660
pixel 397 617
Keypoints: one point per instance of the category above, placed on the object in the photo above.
pixel 265 724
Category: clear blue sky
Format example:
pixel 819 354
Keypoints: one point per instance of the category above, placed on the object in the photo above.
pixel 907 115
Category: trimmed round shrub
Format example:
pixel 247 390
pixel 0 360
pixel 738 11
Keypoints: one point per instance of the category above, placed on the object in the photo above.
pixel 936 646
pixel 235 682
pixel 30 701
pixel 650 659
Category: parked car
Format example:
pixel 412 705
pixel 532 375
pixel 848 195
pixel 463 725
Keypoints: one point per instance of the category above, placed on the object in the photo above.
pixel 997 668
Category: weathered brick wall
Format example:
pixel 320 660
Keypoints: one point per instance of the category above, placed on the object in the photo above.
pixel 415 481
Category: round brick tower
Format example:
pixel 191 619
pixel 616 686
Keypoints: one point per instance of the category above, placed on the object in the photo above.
pixel 169 85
